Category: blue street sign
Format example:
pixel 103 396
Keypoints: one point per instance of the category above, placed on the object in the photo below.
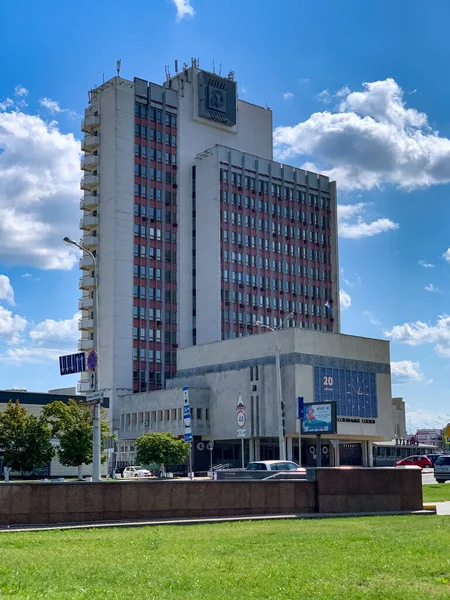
pixel 188 437
pixel 300 407
pixel 72 363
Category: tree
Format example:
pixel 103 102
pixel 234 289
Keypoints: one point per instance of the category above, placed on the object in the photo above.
pixel 161 448
pixel 71 423
pixel 25 440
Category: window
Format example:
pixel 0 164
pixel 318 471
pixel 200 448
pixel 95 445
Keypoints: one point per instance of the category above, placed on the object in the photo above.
pixel 199 414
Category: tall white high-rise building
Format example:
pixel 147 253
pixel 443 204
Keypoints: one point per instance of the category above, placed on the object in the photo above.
pixel 197 232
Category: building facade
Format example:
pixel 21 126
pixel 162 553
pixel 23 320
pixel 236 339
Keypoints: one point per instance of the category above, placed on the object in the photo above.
pixel 238 375
pixel 196 231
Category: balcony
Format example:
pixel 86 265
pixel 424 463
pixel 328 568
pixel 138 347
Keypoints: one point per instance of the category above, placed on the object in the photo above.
pixel 85 345
pixel 86 262
pixel 90 162
pixel 86 303
pixel 84 387
pixel 89 201
pixel 86 323
pixel 88 222
pixel 90 143
pixel 90 123
pixel 89 182
pixel 86 282
pixel 89 241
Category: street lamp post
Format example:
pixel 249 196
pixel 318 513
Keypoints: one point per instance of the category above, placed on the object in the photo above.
pixel 281 433
pixel 96 434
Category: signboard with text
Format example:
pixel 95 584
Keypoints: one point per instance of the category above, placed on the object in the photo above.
pixel 319 417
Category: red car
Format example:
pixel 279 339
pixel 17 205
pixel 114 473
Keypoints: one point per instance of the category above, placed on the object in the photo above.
pixel 415 461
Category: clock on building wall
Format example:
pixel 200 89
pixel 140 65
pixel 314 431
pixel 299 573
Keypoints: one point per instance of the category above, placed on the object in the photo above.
pixel 355 392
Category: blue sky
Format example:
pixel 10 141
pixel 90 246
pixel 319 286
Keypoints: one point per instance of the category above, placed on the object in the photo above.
pixel 357 89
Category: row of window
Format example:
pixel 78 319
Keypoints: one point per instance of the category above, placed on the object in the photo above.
pixel 156 274
pixel 232 334
pixel 154 356
pixel 263 205
pixel 271 226
pixel 141 230
pixel 141 190
pixel 251 318
pixel 274 283
pixel 154 377
pixel 296 252
pixel 141 170
pixel 150 335
pixel 155 254
pixel 310 291
pixel 166 138
pixel 287 231
pixel 157 294
pixel 155 114
pixel 151 419
pixel 281 191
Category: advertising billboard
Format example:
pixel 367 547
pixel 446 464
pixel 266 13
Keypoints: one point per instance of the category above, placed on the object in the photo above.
pixel 319 417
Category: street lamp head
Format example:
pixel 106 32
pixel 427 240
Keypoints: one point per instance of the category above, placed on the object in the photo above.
pixel 289 316
pixel 68 240
pixel 258 323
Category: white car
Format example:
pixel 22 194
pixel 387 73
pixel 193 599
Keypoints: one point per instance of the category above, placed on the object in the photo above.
pixel 135 471
pixel 275 465
pixel 442 469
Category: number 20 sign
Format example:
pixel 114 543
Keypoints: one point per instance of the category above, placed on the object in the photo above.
pixel 327 382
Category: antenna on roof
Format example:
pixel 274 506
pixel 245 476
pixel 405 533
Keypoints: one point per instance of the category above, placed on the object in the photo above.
pixel 118 65
pixel 214 67
pixel 220 69
pixel 167 68
pixel 176 66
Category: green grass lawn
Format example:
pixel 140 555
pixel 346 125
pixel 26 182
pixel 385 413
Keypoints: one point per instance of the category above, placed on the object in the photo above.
pixel 436 492
pixel 368 558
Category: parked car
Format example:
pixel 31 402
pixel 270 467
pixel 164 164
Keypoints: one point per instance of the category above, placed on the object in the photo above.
pixel 442 469
pixel 135 471
pixel 433 457
pixel 274 465
pixel 415 461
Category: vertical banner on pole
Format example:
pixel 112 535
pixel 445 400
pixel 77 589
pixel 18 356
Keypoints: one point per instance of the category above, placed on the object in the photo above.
pixel 187 425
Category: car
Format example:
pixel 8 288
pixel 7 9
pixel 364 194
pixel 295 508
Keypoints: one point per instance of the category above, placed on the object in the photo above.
pixel 417 460
pixel 433 457
pixel 274 465
pixel 135 471
pixel 442 469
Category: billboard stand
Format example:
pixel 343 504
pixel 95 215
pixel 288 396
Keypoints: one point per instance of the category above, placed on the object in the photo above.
pixel 318 451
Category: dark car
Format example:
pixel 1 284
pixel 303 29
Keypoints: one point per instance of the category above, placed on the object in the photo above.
pixel 433 457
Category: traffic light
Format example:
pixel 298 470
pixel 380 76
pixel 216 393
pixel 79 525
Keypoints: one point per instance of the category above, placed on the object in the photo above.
pixel 283 418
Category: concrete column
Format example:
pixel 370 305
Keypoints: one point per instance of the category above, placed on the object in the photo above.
pixel 257 449
pixel 364 454
pixel 336 457
pixel 370 454
pixel 251 447
pixel 289 448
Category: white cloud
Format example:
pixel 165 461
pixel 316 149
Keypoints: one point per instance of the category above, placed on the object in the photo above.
pixel 446 255
pixel 20 91
pixel 11 326
pixel 370 139
pixel 419 333
pixel 243 90
pixel 6 289
pixel 26 275
pixel 426 265
pixel 431 288
pixel 184 8
pixel 360 228
pixel 288 95
pixel 51 105
pixel 39 191
pixel 405 371
pixel 324 96
pixel 5 104
pixel 421 418
pixel 51 330
pixel 29 354
pixel 372 318
pixel 303 80
pixel 345 300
